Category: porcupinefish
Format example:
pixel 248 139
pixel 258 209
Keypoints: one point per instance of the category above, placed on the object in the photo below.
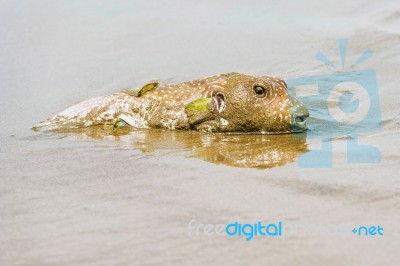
pixel 229 102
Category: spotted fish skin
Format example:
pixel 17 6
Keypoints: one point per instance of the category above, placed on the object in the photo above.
pixel 225 102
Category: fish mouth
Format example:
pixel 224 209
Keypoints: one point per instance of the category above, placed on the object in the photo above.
pixel 300 123
pixel 298 115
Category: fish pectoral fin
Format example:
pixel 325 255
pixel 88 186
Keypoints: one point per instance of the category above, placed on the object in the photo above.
pixel 199 111
pixel 146 88
pixel 113 126
pixel 121 121
pixel 199 105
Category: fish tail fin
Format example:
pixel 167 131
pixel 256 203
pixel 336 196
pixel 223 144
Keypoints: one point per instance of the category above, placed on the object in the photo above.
pixel 44 125
pixel 92 112
pixel 50 124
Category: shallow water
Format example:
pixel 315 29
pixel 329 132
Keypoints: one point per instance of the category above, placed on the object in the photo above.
pixel 238 149
pixel 92 197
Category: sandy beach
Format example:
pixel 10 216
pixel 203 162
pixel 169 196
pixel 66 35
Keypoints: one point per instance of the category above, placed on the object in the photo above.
pixel 90 197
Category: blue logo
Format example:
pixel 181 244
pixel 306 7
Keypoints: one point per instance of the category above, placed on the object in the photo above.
pixel 280 229
pixel 251 230
pixel 341 104
pixel 368 230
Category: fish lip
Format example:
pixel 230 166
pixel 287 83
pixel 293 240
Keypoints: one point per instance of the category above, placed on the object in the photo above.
pixel 301 127
pixel 299 122
pixel 301 119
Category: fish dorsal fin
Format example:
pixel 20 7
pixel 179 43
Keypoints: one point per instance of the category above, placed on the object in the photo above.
pixel 146 88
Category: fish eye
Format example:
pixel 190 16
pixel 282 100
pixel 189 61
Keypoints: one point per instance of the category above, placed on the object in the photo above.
pixel 260 91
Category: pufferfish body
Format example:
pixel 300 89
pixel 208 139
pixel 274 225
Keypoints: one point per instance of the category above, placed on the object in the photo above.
pixel 229 102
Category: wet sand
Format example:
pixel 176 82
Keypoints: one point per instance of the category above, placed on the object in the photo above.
pixel 95 198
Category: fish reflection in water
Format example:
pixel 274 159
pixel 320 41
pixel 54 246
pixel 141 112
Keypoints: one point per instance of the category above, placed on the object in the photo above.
pixel 238 150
